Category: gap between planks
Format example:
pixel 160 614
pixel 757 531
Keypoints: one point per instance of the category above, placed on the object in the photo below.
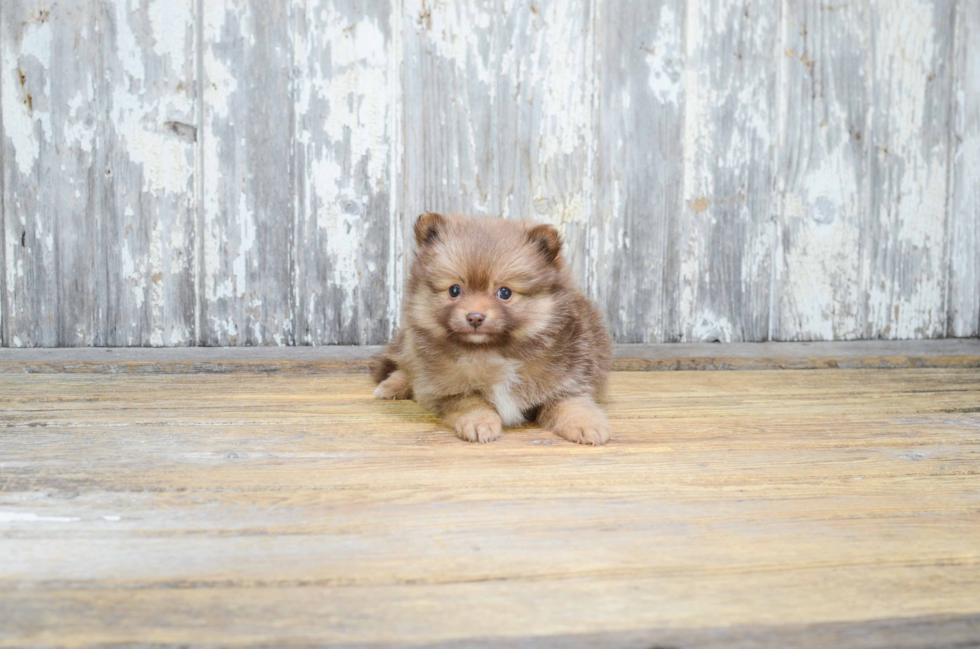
pixel 945 353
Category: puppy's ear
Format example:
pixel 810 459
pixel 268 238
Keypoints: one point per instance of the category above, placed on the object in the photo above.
pixel 428 227
pixel 547 239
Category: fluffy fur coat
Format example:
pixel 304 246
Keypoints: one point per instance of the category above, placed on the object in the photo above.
pixel 495 332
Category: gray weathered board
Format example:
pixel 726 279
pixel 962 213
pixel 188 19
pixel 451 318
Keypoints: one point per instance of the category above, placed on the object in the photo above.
pixel 246 172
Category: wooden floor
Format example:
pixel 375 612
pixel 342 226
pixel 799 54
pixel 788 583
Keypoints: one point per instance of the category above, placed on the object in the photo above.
pixel 773 508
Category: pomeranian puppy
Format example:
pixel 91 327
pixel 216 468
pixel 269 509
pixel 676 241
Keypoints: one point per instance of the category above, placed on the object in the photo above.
pixel 495 333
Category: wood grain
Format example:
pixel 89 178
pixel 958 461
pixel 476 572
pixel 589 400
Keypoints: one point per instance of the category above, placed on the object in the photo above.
pixel 343 109
pixel 963 308
pixel 240 510
pixel 909 169
pixel 248 243
pixel 148 96
pixel 56 266
pixel 818 292
pixel 3 220
pixel 723 234
pixel 863 170
pixel 639 177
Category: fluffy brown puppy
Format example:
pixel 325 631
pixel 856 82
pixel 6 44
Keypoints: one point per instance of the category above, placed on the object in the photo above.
pixel 496 333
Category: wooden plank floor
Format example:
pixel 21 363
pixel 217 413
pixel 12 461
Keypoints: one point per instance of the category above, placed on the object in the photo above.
pixel 818 507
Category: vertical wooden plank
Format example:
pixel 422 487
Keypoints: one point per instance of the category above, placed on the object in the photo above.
pixel 53 170
pixel 342 170
pixel 822 167
pixel 638 171
pixel 724 235
pixel 397 218
pixel 4 336
pixel 863 170
pixel 909 172
pixel 545 137
pixel 246 294
pixel 149 101
pixel 963 318
pixel 449 96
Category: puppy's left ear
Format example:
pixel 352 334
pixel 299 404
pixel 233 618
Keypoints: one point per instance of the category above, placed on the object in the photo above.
pixel 547 240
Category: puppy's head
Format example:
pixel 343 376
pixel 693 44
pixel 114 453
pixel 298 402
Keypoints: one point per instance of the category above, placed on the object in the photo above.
pixel 484 282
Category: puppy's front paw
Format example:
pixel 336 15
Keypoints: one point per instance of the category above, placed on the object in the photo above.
pixel 395 386
pixel 594 433
pixel 479 426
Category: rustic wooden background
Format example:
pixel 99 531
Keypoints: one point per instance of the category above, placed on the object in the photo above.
pixel 234 172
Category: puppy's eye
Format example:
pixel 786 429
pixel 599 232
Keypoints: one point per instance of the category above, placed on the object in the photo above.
pixel 504 293
pixel 455 290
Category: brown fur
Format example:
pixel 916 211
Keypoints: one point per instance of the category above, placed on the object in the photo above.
pixel 543 353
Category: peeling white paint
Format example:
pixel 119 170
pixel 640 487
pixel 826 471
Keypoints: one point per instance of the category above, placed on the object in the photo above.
pixel 834 281
pixel 697 139
pixel 963 290
pixel 168 164
pixel 150 108
pixel 347 147
pixel 134 274
pixel 904 56
pixel 397 252
pixel 179 263
pixel 456 30
pixel 37 43
pixel 212 235
pixel 155 284
pixel 712 327
pixel 18 122
pixel 226 326
pixel 246 241
pixel 79 130
pixel 566 106
pixel 817 248
pixel 221 85
pixel 665 77
pixel 225 289
pixel 128 50
pixel 168 19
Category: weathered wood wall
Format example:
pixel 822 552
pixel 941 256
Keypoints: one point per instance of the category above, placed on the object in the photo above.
pixel 246 172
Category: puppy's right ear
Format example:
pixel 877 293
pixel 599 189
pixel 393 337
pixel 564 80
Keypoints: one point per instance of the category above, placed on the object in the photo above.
pixel 428 227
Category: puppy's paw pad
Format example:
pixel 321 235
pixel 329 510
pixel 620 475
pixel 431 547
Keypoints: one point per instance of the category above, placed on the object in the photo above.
pixel 479 427
pixel 590 434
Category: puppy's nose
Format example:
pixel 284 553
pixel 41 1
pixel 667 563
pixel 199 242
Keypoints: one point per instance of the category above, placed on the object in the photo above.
pixel 475 319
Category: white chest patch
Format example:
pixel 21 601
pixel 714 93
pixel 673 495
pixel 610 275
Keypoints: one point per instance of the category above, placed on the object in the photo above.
pixel 506 407
pixel 503 401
